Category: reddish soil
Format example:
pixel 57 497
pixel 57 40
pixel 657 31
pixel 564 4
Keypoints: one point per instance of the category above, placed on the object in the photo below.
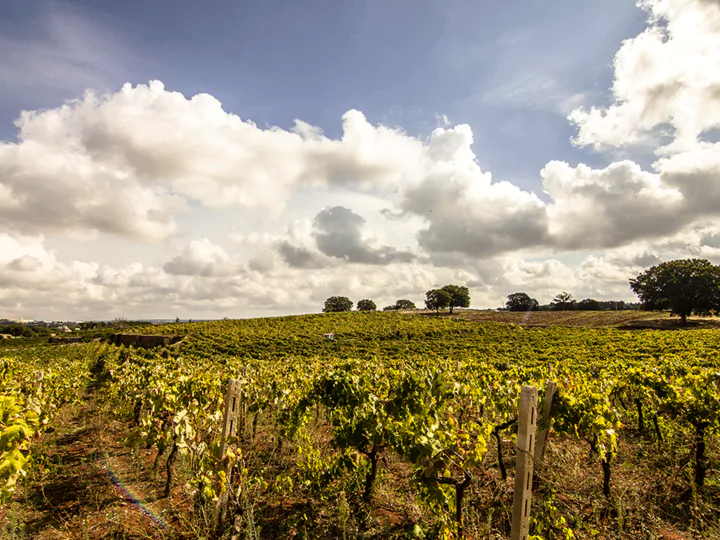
pixel 84 486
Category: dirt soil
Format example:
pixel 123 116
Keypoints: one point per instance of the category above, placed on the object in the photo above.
pixel 623 320
pixel 91 485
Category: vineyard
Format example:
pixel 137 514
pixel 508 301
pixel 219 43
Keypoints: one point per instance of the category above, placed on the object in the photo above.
pixel 399 426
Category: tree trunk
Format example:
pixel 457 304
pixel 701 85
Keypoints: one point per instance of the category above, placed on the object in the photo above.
pixel 137 411
pixel 168 469
pixel 503 472
pixel 255 422
pixel 683 319
pixel 161 451
pixel 700 460
pixel 496 432
pixel 459 494
pixel 606 477
pixel 372 473
pixel 657 429
pixel 460 488
pixel 641 420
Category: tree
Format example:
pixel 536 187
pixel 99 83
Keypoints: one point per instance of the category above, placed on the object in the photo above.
pixel 588 305
pixel 366 305
pixel 562 302
pixel 437 299
pixel 404 304
pixel 459 296
pixel 337 303
pixel 390 308
pixel 521 302
pixel 684 286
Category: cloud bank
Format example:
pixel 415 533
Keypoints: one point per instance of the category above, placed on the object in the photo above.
pixel 135 163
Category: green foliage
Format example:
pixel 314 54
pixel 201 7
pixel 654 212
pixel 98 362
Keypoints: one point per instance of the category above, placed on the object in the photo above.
pixel 426 392
pixel 32 390
pixel 404 304
pixel 336 304
pixel 521 302
pixel 459 296
pixel 563 302
pixel 366 305
pixel 588 304
pixel 437 299
pixel 683 286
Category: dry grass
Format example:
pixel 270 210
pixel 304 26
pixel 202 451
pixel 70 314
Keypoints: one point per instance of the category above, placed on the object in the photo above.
pixel 629 320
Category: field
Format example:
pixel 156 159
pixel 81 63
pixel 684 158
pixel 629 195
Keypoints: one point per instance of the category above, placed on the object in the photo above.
pixel 376 434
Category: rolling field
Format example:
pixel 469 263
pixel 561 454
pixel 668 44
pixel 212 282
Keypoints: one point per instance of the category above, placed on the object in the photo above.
pixel 369 435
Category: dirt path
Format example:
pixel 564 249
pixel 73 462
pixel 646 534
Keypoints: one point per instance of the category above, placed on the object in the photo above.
pixel 90 485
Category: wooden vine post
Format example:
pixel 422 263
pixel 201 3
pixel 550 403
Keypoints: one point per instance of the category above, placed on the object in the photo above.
pixel 233 399
pixel 525 451
pixel 243 405
pixel 543 434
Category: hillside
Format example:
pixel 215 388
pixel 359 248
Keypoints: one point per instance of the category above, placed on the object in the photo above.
pixel 628 320
pixel 126 439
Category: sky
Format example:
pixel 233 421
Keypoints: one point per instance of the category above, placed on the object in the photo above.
pixel 243 159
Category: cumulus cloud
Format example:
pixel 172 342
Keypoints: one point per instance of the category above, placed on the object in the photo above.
pixel 609 207
pixel 121 163
pixel 201 258
pixel 465 210
pixel 300 256
pixel 338 233
pixel 667 81
pixel 130 163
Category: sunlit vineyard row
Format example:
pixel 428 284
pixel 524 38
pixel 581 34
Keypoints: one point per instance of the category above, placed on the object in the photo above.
pixel 404 415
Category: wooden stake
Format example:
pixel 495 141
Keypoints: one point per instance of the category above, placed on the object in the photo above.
pixel 525 450
pixel 243 405
pixel 543 434
pixel 230 425
pixel 230 420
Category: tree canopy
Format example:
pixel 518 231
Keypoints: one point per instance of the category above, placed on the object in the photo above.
pixel 588 304
pixel 683 286
pixel 521 302
pixel 366 305
pixel 337 303
pixel 459 296
pixel 563 302
pixel 404 304
pixel 437 299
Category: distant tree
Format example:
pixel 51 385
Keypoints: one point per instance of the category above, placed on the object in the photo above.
pixel 563 302
pixel 437 299
pixel 459 296
pixel 337 303
pixel 588 305
pixel 684 286
pixel 390 308
pixel 521 302
pixel 366 305
pixel 404 304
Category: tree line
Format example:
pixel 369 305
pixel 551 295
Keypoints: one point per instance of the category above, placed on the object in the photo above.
pixel 683 287
pixel 449 296
pixel 565 301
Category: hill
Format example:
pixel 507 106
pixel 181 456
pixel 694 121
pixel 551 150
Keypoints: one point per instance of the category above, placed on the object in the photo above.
pixel 368 432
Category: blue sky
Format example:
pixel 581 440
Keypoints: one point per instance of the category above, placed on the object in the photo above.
pixel 505 69
pixel 510 146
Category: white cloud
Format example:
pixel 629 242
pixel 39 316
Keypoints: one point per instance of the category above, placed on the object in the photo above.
pixel 201 258
pixel 609 207
pixel 667 79
pixel 374 213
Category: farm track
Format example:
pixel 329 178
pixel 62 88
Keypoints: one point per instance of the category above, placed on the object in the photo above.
pixel 77 496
